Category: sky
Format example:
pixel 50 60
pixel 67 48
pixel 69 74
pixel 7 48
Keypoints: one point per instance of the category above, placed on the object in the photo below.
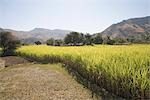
pixel 88 16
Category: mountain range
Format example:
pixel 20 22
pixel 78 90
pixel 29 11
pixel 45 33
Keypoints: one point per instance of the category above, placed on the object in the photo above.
pixel 38 34
pixel 137 28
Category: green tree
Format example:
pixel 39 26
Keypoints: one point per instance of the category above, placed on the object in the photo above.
pixel 38 43
pixel 58 42
pixel 98 39
pixel 50 41
pixel 8 43
pixel 67 39
pixel 108 40
pixel 119 40
pixel 88 39
pixel 74 38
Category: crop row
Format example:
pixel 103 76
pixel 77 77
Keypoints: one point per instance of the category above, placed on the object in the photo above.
pixel 122 70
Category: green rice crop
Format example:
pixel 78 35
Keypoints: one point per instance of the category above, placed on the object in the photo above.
pixel 123 70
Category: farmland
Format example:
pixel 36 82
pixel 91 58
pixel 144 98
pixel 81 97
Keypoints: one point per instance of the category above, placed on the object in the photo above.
pixel 122 70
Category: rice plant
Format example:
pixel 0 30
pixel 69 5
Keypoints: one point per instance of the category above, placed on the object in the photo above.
pixel 122 70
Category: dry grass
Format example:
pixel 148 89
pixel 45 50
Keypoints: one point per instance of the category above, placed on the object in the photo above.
pixel 40 82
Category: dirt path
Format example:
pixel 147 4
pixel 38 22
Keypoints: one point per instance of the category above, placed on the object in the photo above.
pixel 13 60
pixel 40 82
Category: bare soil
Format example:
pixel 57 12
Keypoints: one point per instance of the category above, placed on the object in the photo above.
pixel 39 82
pixel 13 60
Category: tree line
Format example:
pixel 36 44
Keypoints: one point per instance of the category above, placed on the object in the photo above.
pixel 76 39
pixel 79 39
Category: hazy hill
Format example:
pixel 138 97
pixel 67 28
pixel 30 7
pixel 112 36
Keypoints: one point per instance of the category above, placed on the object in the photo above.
pixel 137 28
pixel 38 34
pixel 46 33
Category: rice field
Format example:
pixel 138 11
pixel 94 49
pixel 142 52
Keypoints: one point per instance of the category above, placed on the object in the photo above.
pixel 0 51
pixel 122 70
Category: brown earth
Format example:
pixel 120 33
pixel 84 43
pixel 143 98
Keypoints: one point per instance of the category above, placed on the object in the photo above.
pixel 39 82
pixel 13 60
